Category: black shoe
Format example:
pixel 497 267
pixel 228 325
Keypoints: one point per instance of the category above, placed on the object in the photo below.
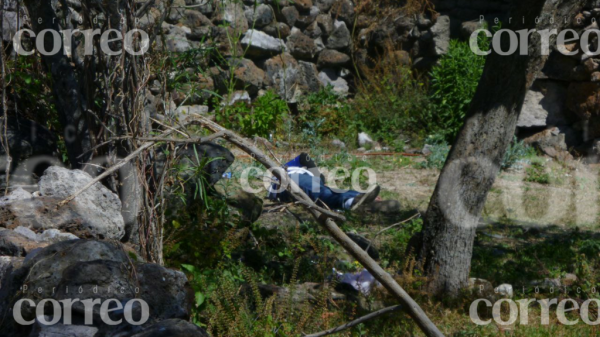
pixel 365 198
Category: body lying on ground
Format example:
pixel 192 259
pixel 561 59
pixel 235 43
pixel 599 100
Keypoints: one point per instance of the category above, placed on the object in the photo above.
pixel 305 173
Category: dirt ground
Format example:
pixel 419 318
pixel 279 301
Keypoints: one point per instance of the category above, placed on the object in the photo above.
pixel 569 199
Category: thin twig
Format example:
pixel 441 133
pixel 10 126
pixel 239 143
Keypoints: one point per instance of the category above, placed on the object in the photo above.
pixel 117 166
pixel 356 321
pixel 418 215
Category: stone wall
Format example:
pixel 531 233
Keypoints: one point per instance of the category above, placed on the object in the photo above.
pixel 298 47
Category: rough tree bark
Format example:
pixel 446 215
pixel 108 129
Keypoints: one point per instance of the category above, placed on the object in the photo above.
pixel 70 102
pixel 477 153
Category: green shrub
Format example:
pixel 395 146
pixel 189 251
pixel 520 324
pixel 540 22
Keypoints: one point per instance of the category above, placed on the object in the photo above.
pixel 536 173
pixel 389 104
pixel 259 119
pixel 324 113
pixel 516 153
pixel 439 152
pixel 453 84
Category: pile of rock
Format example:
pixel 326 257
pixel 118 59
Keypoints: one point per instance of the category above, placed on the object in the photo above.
pixel 292 47
pixel 56 254
pixel 562 107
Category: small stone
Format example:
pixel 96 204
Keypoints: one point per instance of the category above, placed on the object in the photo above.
pixel 325 22
pixel 330 77
pixel 505 290
pixel 319 45
pixel 364 139
pixel 303 5
pixel 261 44
pixel 340 37
pixel 301 46
pixel 238 96
pixel 324 5
pixel 338 143
pixel 305 20
pixel 332 58
pixel 289 15
pixel 278 30
pixel 260 16
pixel 343 10
pixel 313 30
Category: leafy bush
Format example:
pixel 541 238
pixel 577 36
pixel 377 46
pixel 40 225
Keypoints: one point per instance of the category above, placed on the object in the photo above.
pixel 453 84
pixel 259 119
pixel 389 103
pixel 324 113
pixel 439 152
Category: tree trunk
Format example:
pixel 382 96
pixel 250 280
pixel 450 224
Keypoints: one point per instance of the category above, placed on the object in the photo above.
pixel 79 79
pixel 477 153
pixel 70 103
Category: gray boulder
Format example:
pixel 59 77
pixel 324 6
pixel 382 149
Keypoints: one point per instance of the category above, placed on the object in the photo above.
pixel 331 77
pixel 259 16
pixel 325 22
pixel 221 37
pixel 202 6
pixel 247 76
pixel 313 30
pixel 468 27
pixel 173 328
pixel 88 269
pixel 16 244
pixel 544 105
pixel 324 5
pixel 288 15
pixel 62 330
pixel 343 10
pixel 278 30
pixel 8 264
pixel 176 11
pixel 301 46
pixel 175 38
pixel 330 58
pixel 340 36
pixel 231 13
pixel 310 76
pixel 261 44
pixel 100 207
pixel 441 35
pixel 305 20
pixel 286 75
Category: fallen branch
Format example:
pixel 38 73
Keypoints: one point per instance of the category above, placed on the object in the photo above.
pixel 411 307
pixel 125 160
pixel 356 321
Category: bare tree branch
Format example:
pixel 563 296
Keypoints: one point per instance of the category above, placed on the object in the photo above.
pixel 131 156
pixel 412 308
pixel 356 321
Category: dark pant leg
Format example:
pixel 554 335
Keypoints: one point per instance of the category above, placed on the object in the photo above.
pixel 336 200
pixel 316 190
